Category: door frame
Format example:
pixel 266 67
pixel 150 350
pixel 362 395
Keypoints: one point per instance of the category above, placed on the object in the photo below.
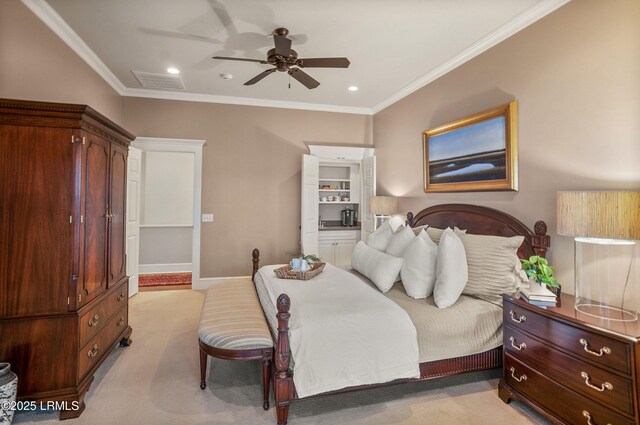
pixel 158 144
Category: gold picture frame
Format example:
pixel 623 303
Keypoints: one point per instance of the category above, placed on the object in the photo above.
pixel 475 153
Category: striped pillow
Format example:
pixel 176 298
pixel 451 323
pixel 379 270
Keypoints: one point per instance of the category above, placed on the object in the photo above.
pixel 493 265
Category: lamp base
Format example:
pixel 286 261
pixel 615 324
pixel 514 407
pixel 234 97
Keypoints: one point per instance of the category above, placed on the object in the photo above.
pixel 607 312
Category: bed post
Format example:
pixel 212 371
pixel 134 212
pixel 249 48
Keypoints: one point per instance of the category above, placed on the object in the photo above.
pixel 256 261
pixel 540 241
pixel 283 381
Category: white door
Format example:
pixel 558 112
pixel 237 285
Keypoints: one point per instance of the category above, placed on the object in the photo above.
pixel 309 207
pixel 368 190
pixel 133 217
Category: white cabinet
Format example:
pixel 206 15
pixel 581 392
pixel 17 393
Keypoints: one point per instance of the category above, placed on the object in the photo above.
pixel 335 179
pixel 336 246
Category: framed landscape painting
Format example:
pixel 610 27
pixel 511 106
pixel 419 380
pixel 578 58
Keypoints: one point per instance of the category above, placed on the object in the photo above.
pixel 476 153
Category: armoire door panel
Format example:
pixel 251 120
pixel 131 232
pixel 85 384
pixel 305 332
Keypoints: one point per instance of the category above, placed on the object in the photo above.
pixel 96 188
pixel 117 222
pixel 35 265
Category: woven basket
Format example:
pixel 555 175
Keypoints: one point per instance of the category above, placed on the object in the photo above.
pixel 287 272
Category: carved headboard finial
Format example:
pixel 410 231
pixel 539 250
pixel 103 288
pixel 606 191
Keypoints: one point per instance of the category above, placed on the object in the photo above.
pixel 255 254
pixel 410 219
pixel 540 228
pixel 540 241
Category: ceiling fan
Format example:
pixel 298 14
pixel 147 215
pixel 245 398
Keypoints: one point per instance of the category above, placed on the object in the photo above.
pixel 285 59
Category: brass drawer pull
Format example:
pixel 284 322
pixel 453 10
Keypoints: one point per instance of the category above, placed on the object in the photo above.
pixel 120 297
pixel 518 347
pixel 93 352
pixel 521 378
pixel 603 350
pixel 94 320
pixel 588 416
pixel 120 322
pixel 517 319
pixel 587 381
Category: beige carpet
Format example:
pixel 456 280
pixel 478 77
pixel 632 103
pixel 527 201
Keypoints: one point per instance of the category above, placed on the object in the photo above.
pixel 156 381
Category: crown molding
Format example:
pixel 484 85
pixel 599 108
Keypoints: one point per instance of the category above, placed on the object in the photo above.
pixel 50 17
pixel 521 21
pixel 247 101
pixel 58 25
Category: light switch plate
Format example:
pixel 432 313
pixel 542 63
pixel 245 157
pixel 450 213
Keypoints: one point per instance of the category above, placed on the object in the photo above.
pixel 207 218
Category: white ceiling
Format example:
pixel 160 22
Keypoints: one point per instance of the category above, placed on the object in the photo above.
pixel 395 47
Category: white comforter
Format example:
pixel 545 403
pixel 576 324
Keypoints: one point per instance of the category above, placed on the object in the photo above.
pixel 342 332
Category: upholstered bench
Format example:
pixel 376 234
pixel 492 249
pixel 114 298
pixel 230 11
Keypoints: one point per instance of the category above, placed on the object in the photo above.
pixel 233 327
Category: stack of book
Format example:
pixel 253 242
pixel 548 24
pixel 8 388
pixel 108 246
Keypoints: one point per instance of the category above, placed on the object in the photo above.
pixel 538 295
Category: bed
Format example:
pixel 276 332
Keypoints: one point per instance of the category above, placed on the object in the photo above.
pixel 436 359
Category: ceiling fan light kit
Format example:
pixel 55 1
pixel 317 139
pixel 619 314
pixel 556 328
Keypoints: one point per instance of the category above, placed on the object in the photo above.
pixel 285 59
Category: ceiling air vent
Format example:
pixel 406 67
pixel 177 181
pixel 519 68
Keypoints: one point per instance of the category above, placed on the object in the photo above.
pixel 149 80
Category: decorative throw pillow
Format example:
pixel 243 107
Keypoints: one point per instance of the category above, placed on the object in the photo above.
pixel 419 268
pixel 396 223
pixel 493 265
pixel 418 229
pixel 435 233
pixel 451 269
pixel 400 241
pixel 381 237
pixel 379 267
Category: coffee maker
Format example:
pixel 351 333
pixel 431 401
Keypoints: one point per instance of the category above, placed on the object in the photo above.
pixel 349 217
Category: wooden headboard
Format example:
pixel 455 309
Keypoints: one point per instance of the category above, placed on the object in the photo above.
pixel 484 221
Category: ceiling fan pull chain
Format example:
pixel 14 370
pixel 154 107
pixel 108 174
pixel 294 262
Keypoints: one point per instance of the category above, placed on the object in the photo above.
pixel 289 80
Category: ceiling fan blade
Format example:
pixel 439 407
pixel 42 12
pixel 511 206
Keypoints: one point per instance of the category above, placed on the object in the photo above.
pixel 283 45
pixel 304 78
pixel 324 63
pixel 226 58
pixel 259 77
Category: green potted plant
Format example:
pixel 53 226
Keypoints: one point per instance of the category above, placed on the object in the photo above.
pixel 311 259
pixel 539 270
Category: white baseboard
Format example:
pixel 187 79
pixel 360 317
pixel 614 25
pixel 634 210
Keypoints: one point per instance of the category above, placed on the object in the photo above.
pixel 206 282
pixel 165 268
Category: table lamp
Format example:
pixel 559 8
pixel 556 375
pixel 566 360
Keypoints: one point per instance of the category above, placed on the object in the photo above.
pixel 606 228
pixel 382 207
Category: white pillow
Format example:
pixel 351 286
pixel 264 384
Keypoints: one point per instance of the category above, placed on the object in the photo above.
pixel 379 267
pixel 396 223
pixel 493 265
pixel 400 241
pixel 381 237
pixel 451 270
pixel 419 268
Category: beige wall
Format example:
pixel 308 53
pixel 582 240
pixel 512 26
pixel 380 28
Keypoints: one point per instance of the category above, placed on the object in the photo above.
pixel 37 65
pixel 251 171
pixel 576 76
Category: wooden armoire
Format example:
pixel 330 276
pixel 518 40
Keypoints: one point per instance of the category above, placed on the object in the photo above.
pixel 63 281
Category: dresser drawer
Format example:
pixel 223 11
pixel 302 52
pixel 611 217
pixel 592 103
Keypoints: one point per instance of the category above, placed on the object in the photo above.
pixel 118 298
pixel 94 350
pixel 92 321
pixel 596 348
pixel 569 371
pixel 564 403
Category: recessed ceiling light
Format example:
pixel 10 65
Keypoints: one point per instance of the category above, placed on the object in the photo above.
pixel 353 88
pixel 226 76
pixel 174 71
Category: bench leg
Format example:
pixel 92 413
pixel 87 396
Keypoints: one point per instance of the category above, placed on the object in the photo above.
pixel 266 377
pixel 203 369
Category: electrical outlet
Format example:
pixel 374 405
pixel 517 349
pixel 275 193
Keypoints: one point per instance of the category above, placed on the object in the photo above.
pixel 207 218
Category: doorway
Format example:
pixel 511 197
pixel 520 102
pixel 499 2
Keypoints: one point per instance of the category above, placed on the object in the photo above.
pixel 169 207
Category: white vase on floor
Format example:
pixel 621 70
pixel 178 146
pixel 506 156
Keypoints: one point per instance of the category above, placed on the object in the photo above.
pixel 8 390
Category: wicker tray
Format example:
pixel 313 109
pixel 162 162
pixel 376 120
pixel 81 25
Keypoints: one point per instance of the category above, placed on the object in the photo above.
pixel 286 272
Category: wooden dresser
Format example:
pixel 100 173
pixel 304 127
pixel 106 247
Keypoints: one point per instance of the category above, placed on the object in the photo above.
pixel 63 283
pixel 572 368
